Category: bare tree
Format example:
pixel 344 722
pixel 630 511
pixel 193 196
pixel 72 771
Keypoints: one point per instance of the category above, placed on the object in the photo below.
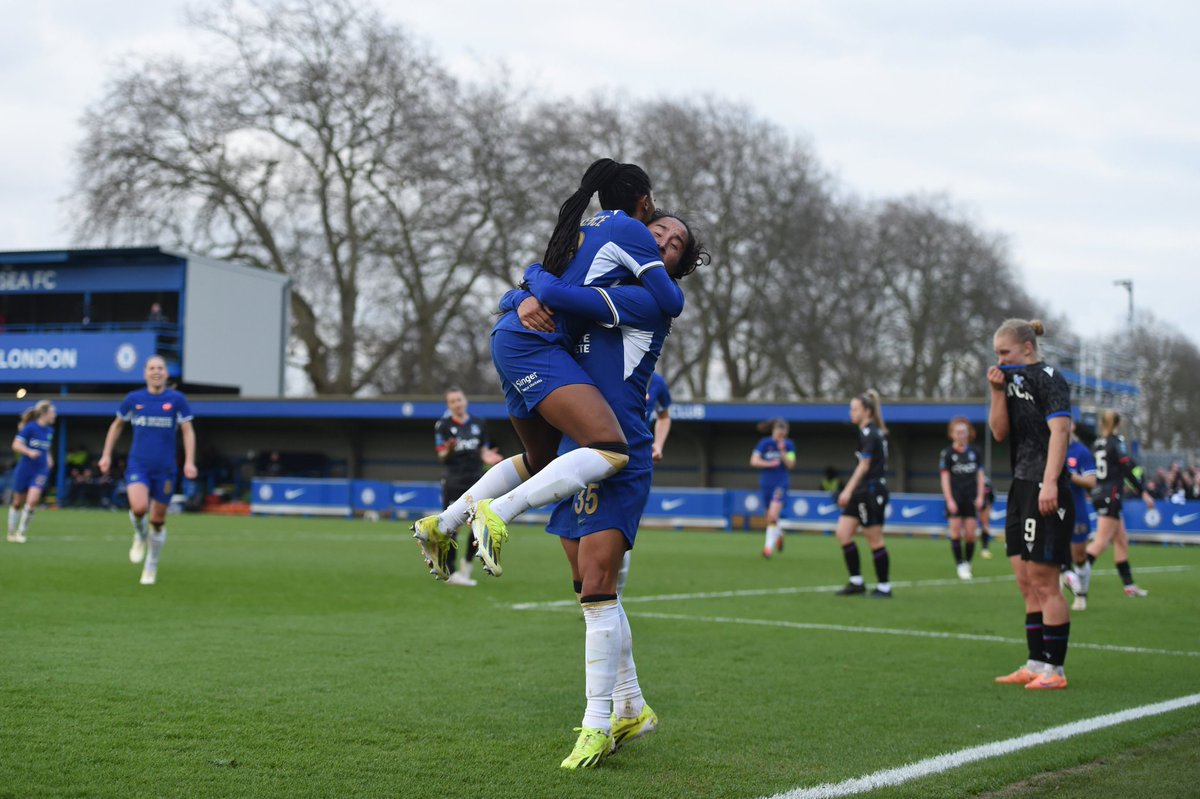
pixel 319 142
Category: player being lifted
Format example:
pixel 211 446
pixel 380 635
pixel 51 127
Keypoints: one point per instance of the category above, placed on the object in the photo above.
pixel 963 489
pixel 1031 408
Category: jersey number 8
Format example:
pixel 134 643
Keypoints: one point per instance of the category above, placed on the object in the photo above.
pixel 588 500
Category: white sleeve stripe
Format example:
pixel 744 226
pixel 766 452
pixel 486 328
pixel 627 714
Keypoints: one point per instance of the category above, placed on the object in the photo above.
pixel 642 269
pixel 124 417
pixel 607 299
pixel 183 418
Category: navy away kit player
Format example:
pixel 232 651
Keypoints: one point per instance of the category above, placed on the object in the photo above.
pixel 865 497
pixel 1031 409
pixel 961 469
pixel 462 446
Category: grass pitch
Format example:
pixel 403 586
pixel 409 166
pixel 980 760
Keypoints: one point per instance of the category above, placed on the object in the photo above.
pixel 297 657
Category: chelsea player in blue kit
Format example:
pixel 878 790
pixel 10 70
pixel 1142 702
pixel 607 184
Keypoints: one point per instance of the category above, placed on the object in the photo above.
pixel 155 413
pixel 35 434
pixel 1082 468
pixel 547 393
pixel 775 455
pixel 599 524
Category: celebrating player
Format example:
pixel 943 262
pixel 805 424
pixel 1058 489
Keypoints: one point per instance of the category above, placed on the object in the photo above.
pixel 463 448
pixel 962 487
pixel 1031 407
pixel 599 524
pixel 35 433
pixel 865 497
pixel 775 456
pixel 1114 467
pixel 1082 468
pixel 547 393
pixel 155 412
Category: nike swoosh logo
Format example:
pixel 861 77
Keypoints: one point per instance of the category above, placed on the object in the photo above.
pixel 996 515
pixel 671 504
pixel 591 662
pixel 825 510
pixel 402 497
pixel 292 493
pixel 908 513
pixel 1178 519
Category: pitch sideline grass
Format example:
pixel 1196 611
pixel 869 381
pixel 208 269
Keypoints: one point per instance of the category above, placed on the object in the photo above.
pixel 312 658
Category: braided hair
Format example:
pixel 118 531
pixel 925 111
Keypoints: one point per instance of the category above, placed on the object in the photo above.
pixel 621 186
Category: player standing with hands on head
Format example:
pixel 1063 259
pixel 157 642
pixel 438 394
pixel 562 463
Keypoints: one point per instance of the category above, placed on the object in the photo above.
pixel 155 412
pixel 463 448
pixel 963 489
pixel 864 499
pixel 35 434
pixel 1031 408
pixel 775 456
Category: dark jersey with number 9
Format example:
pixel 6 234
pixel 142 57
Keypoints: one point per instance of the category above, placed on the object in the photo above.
pixel 1034 395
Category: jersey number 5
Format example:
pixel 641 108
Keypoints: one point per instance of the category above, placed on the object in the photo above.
pixel 588 500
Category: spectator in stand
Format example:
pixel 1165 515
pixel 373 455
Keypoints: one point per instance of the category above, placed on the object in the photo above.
pixel 156 314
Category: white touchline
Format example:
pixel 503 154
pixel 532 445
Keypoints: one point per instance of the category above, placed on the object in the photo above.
pixel 842 628
pixel 820 589
pixel 892 777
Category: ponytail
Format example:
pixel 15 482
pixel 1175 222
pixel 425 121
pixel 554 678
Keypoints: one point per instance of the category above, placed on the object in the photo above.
pixel 34 412
pixel 620 187
pixel 871 401
pixel 1109 421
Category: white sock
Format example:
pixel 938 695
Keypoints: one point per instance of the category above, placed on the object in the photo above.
pixel 769 541
pixel 156 544
pixel 13 516
pixel 465 568
pixel 601 653
pixel 26 515
pixel 496 481
pixel 140 525
pixel 565 475
pixel 857 579
pixel 885 587
pixel 623 574
pixel 1037 666
pixel 627 695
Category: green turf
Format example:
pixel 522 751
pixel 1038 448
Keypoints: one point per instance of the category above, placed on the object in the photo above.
pixel 281 657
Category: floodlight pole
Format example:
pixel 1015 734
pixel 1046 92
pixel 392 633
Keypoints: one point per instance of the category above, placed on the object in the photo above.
pixel 1128 286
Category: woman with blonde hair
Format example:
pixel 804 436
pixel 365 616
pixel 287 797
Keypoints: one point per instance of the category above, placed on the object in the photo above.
pixel 1114 467
pixel 774 456
pixel 864 499
pixel 35 434
pixel 1031 409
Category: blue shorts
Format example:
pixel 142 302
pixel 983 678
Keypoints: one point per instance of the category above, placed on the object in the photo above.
pixel 30 474
pixel 615 504
pixel 530 368
pixel 159 479
pixel 1083 521
pixel 774 494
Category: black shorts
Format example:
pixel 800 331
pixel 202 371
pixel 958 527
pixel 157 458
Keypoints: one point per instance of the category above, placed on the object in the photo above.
pixel 1032 536
pixel 453 489
pixel 966 505
pixel 1108 505
pixel 868 506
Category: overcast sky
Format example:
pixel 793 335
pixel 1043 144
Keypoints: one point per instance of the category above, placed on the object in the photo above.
pixel 1072 128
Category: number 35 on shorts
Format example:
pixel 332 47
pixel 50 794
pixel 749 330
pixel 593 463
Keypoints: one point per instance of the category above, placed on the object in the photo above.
pixel 1030 530
pixel 588 500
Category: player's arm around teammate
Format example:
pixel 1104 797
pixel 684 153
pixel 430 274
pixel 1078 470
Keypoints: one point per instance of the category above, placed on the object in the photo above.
pixel 1031 408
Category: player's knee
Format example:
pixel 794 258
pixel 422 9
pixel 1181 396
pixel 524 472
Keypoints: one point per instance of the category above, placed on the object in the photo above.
pixel 615 452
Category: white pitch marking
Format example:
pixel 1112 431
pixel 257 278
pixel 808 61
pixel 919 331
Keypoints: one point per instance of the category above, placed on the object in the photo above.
pixel 820 589
pixel 889 778
pixel 842 628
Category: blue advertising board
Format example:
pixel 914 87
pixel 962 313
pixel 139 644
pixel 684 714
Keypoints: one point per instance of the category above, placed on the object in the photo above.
pixel 49 278
pixel 687 507
pixel 300 496
pixel 414 500
pixel 99 357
